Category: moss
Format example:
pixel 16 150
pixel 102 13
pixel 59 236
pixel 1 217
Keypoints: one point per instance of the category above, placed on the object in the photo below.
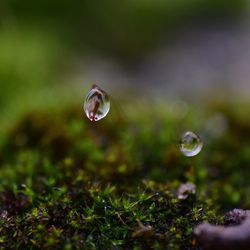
pixel 71 184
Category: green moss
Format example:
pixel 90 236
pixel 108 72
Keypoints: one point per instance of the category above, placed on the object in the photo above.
pixel 67 183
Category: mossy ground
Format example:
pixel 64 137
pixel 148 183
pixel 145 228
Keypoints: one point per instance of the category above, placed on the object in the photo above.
pixel 67 183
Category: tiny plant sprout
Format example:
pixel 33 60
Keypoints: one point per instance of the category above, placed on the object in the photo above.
pixel 96 104
pixel 190 144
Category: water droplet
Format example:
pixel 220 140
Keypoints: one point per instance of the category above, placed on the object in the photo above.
pixel 97 104
pixel 191 144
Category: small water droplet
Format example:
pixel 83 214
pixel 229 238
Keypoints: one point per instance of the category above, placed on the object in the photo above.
pixel 190 144
pixel 97 104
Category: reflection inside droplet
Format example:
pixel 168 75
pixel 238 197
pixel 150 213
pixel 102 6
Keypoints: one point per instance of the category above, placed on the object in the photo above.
pixel 190 144
pixel 97 104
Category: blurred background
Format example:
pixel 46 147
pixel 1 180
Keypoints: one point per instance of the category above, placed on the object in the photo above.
pixel 51 52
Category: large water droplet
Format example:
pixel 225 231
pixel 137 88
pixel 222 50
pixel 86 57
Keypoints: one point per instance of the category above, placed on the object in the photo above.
pixel 190 144
pixel 97 104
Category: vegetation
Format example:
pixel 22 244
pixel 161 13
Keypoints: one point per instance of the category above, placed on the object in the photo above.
pixel 67 183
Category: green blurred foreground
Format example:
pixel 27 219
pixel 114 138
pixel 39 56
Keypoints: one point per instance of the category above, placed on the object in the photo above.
pixel 67 183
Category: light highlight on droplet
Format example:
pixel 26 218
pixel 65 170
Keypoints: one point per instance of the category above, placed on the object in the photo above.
pixel 190 144
pixel 97 104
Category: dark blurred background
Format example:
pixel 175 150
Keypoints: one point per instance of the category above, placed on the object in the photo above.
pixel 52 51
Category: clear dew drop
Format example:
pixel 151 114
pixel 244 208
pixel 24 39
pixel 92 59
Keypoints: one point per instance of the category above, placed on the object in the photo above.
pixel 190 144
pixel 97 104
